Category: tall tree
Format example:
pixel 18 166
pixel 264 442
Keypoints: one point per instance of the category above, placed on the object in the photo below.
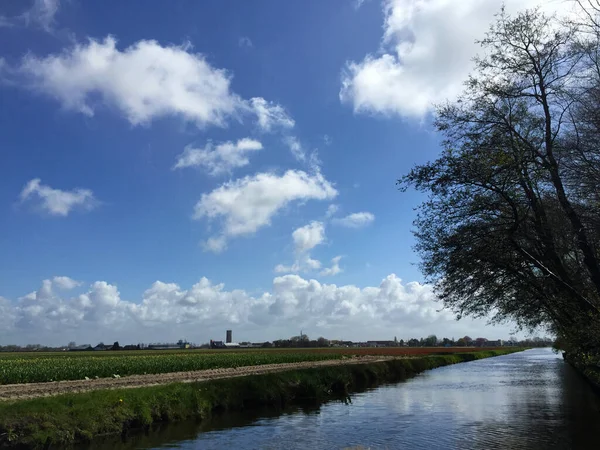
pixel 510 229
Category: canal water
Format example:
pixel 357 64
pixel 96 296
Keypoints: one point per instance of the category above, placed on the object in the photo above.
pixel 527 400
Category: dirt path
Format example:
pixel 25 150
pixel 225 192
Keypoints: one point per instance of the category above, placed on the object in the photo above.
pixel 33 390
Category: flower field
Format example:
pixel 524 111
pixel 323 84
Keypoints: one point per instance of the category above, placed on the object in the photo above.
pixel 42 367
pixel 404 351
pixel 59 367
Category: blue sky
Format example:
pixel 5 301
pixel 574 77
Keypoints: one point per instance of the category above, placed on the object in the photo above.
pixel 252 144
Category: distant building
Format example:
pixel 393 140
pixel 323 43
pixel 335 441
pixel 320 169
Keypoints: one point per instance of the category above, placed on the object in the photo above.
pixel 497 343
pixel 229 337
pixel 217 344
pixel 221 344
pixel 382 343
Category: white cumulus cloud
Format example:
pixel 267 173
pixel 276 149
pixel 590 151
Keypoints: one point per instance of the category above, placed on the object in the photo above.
pixel 355 220
pixel 144 82
pixel 281 268
pixel 334 269
pixel 55 201
pixel 309 236
pixel 425 55
pixel 303 263
pixel 305 239
pixel 248 204
pixel 167 312
pixel 65 283
pixel 8 315
pixel 219 159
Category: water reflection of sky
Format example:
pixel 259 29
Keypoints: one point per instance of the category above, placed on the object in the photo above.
pixel 530 400
pixel 523 401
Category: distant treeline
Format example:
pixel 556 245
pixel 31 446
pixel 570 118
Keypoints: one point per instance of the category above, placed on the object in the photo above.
pixel 297 342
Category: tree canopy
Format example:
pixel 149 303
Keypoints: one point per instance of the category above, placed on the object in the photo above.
pixel 511 227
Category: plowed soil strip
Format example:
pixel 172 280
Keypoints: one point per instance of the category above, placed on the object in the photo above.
pixel 34 390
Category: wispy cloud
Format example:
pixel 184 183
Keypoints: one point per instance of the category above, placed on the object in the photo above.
pixel 334 269
pixel 331 210
pixel 55 201
pixel 301 154
pixel 245 41
pixel 355 220
pixel 270 115
pixel 5 22
pixel 219 159
pixel 41 14
pixel 358 3
pixel 295 147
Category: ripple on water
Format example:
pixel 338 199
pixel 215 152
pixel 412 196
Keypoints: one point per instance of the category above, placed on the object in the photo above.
pixel 524 401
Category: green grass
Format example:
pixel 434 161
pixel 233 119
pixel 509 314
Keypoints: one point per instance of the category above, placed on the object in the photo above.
pixel 71 419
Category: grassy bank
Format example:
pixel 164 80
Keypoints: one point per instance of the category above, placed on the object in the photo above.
pixel 70 419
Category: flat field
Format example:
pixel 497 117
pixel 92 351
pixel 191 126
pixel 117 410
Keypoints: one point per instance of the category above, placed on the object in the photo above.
pixel 38 367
